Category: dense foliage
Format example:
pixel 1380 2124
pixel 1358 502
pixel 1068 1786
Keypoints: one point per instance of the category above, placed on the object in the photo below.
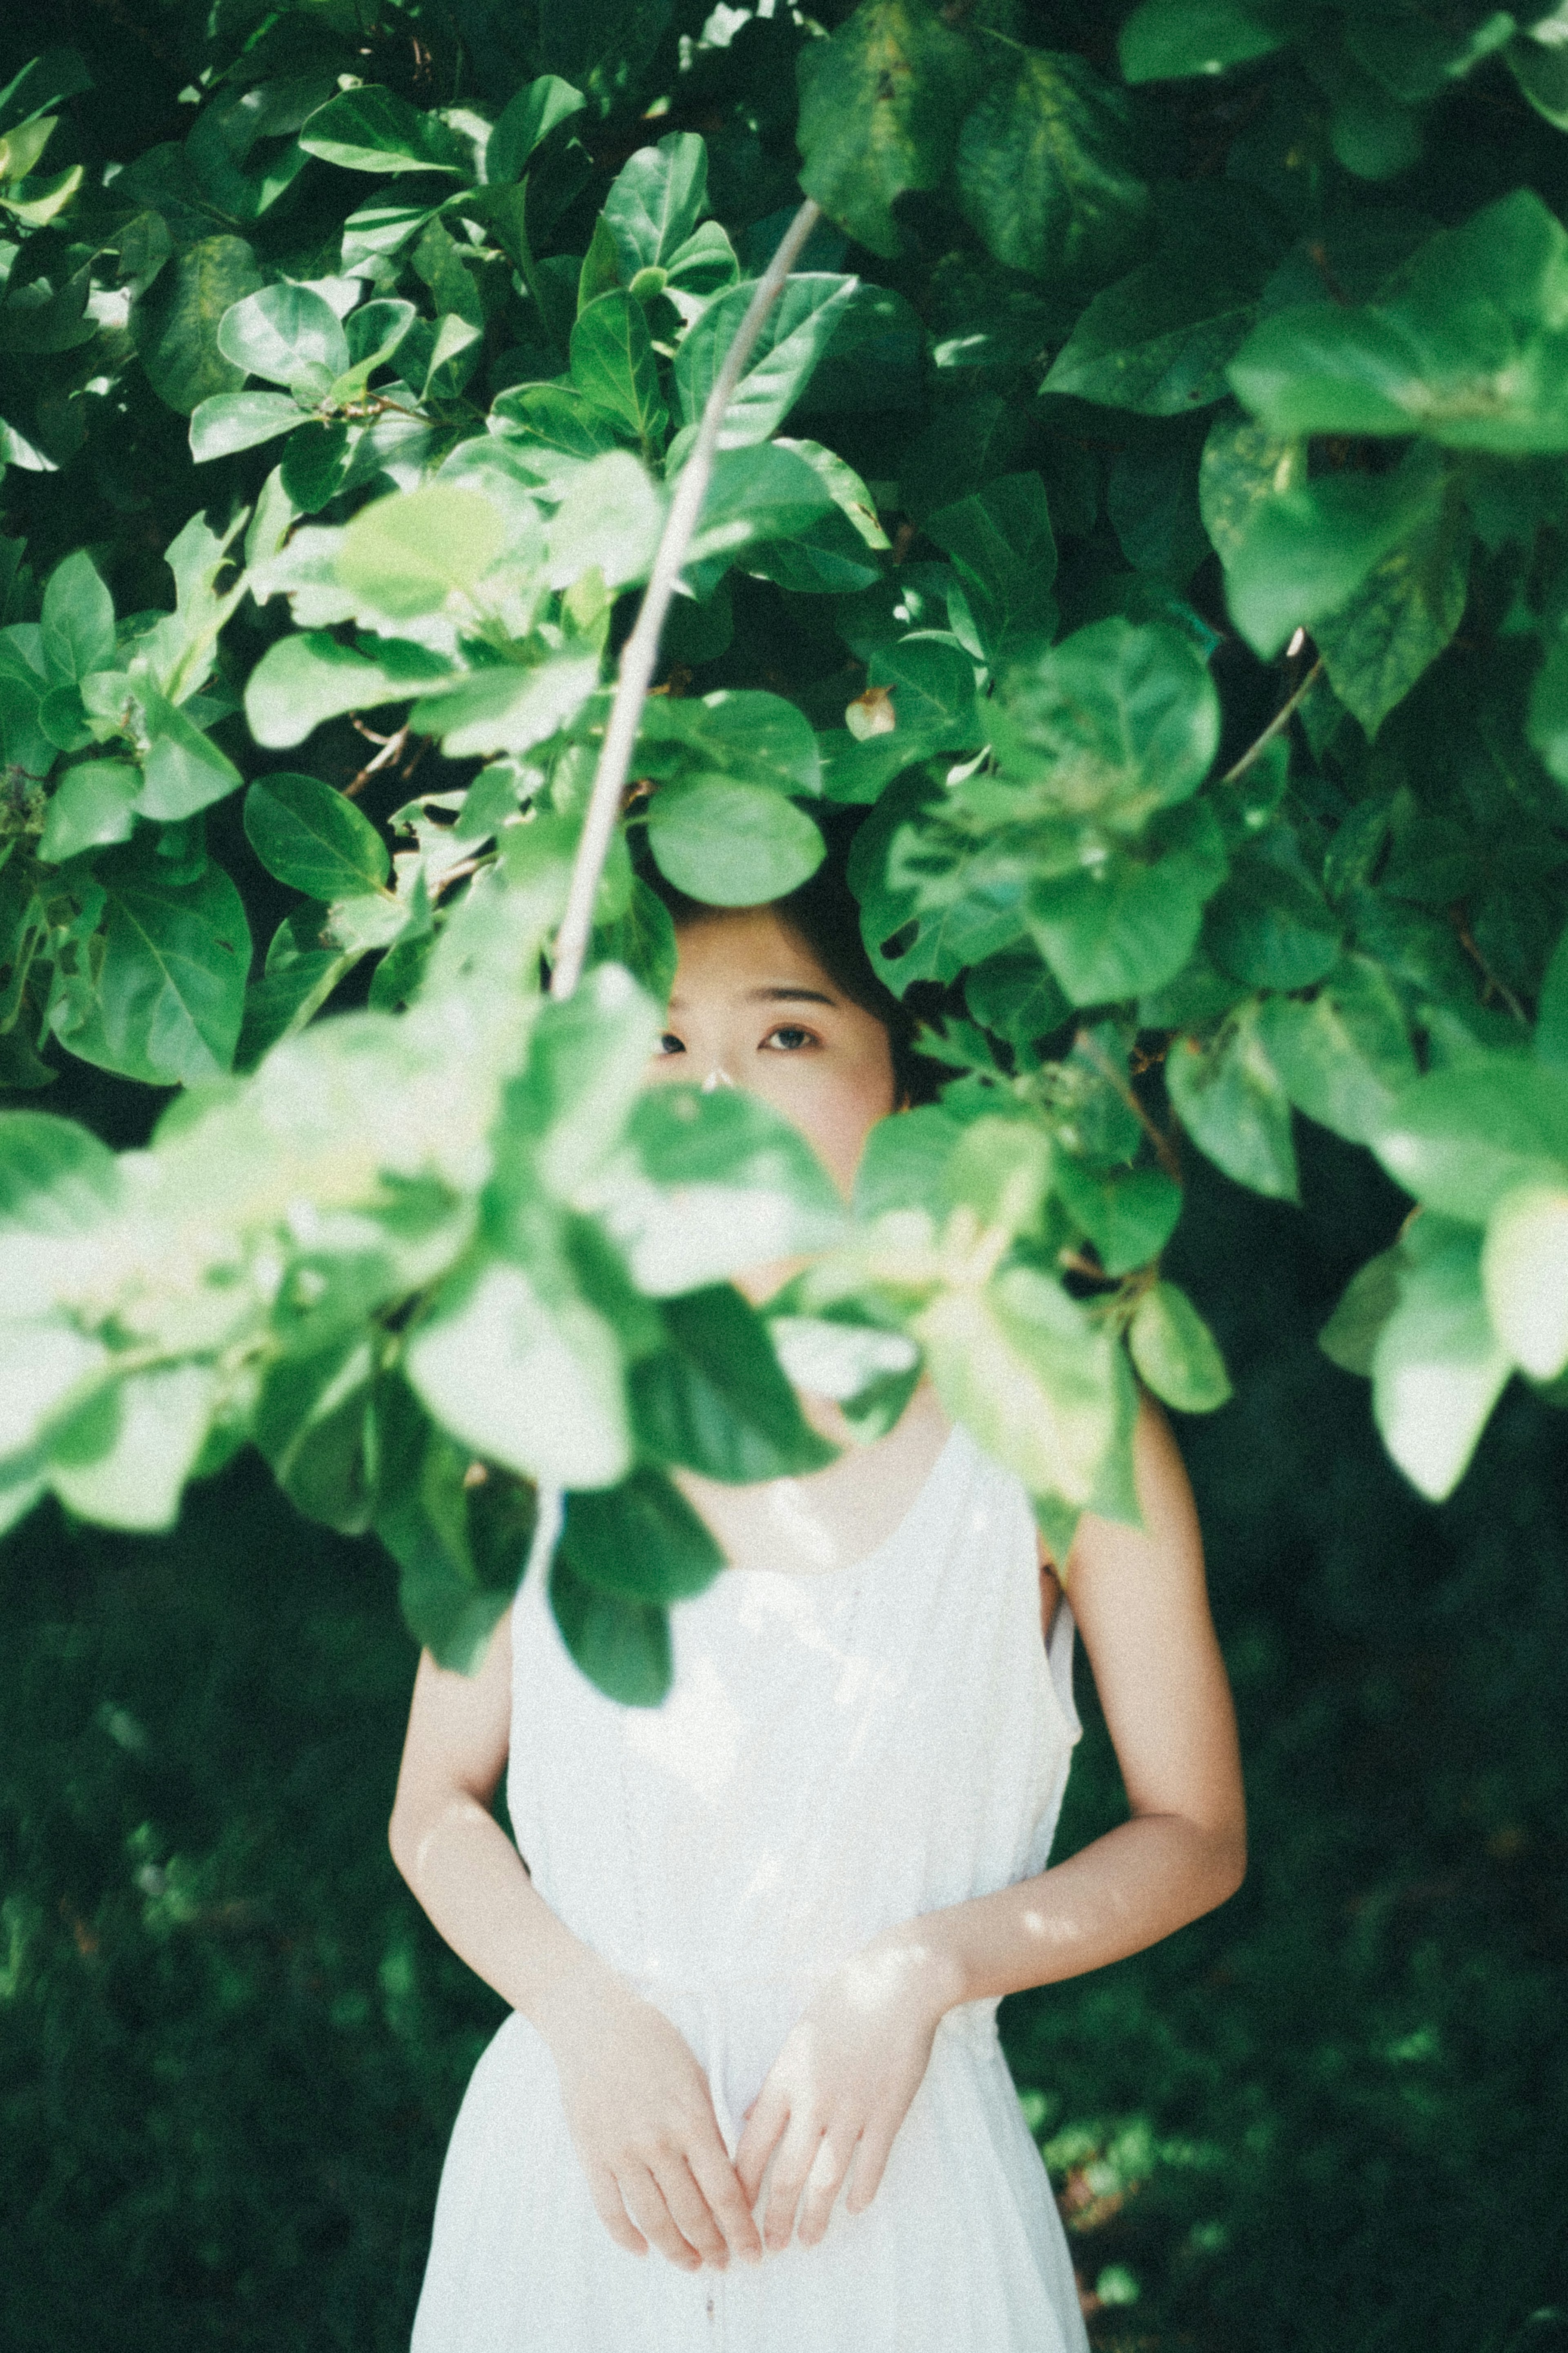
pixel 1332 2114
pixel 1165 553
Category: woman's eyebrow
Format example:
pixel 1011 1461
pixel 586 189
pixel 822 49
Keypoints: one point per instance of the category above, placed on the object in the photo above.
pixel 782 995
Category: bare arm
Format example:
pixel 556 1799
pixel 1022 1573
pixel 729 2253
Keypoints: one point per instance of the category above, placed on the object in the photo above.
pixel 637 2104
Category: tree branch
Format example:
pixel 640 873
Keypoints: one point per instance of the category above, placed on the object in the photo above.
pixel 640 652
pixel 1280 720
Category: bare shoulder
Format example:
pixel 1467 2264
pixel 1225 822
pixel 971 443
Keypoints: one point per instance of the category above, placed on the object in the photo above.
pixel 460 1726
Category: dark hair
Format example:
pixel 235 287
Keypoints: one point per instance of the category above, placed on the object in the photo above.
pixel 824 916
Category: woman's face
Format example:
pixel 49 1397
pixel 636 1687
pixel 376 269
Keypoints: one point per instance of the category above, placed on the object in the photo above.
pixel 752 1008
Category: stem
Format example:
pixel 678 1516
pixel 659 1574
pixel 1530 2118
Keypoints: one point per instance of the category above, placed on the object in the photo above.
pixel 640 652
pixel 1282 719
pixel 1163 1151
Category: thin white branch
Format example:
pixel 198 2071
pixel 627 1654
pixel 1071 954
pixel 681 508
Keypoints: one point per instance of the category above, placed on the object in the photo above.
pixel 640 653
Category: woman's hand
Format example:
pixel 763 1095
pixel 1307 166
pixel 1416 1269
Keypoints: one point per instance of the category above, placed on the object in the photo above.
pixel 840 2088
pixel 641 2117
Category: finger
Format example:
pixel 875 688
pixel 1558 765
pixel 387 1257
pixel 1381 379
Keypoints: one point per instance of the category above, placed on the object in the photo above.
pixel 604 2192
pixel 644 2202
pixel 690 2211
pixel 794 2162
pixel 823 2184
pixel 871 2154
pixel 765 2122
pixel 730 2208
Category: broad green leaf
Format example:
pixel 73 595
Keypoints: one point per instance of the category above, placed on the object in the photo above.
pixel 240 420
pixel 1468 346
pixel 1437 1367
pixel 1043 170
pixel 77 619
pixel 407 554
pixel 1125 926
pixel 1342 1057
pixel 732 845
pixel 1175 1353
pixel 1127 1214
pixel 1017 996
pixel 287 335
pixel 640 1541
pixel 930 682
pixel 717 1400
pixel 93 804
pixel 767 490
pixel 1117 721
pixel 880 104
pixel 904 1164
pixel 1165 40
pixel 532 1383
pixel 555 427
pixel 1401 618
pixel 1524 1274
pixel 507 710
pixel 170 993
pixel 613 365
pixel 564 1114
pixel 736 735
pixel 313 1424
pixel 1020 1364
pixel 1269 926
pixel 528 117
pixel 1229 1097
pixel 608 522
pixel 1551 1008
pixel 657 199
pixel 313 838
pixel 182 770
pixel 123 1463
pixel 46 1370
pixel 709 1185
pixel 175 324
pixel 302 682
pixel 1350 1337
pixel 1005 553
pixel 56 1177
pixel 1461 1138
pixel 622 1646
pixel 1541 69
pixel 1304 551
pixel 1159 340
pixel 796 333
pixel 373 129
pixel 280 1003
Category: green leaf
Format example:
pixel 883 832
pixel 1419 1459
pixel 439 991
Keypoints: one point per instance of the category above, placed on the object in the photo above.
pixel 733 735
pixel 48 1370
pixel 1175 1353
pixel 622 1646
pixel 123 1461
pixel 1524 1274
pixel 311 838
pixel 373 129
pixel 1437 1368
pixel 717 1400
pixel 613 365
pixel 1401 618
pixel 280 1003
pixel 609 521
pixel 507 710
pixel 1342 1057
pixel 1005 553
pixel 532 1382
pixel 302 682
pixel 93 804
pixel 1461 1138
pixel 1304 551
pixel 287 335
pixel 1269 926
pixel 655 202
pixel 1117 721
pixel 768 490
pixel 56 1177
pixel 1125 926
pixel 171 991
pixel 1229 1097
pixel 175 324
pixel 1159 340
pixel 1551 1043
pixel 1541 69
pixel 528 118
pixel 407 554
pixel 709 1185
pixel 1020 1364
pixel 796 333
pixel 732 845
pixel 1017 996
pixel 1165 40
pixel 77 619
pixel 640 1541
pixel 313 1425
pixel 1466 347
pixel 1350 1337
pixel 182 770
pixel 1043 172
pixel 1128 1214
pixel 880 104
pixel 240 420
pixel 553 423
pixel 586 1065
pixel 931 683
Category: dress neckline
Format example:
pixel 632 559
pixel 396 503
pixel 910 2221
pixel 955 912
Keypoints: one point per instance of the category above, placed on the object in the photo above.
pixel 890 1542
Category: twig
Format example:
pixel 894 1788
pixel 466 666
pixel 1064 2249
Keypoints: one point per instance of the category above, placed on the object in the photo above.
pixel 1488 974
pixel 1282 719
pixel 392 747
pixel 640 653
pixel 1163 1151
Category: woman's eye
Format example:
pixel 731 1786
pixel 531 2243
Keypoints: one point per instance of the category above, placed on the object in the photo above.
pixel 671 1044
pixel 788 1038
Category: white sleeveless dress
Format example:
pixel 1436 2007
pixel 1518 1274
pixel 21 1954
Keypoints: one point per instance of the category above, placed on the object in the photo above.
pixel 838 1752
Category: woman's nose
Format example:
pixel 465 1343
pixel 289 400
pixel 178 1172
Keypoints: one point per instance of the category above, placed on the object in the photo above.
pixel 715 1080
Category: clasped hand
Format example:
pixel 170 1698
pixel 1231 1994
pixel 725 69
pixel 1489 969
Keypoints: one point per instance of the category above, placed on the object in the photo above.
pixel 641 2114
